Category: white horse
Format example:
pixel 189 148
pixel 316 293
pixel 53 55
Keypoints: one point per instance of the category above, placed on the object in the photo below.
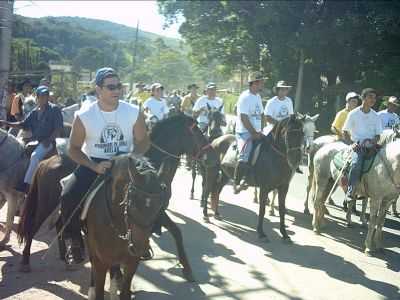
pixel 381 185
pixel 13 163
pixel 68 112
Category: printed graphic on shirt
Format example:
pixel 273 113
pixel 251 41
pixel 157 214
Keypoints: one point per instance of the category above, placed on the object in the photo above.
pixel 111 139
pixel 257 112
pixel 283 112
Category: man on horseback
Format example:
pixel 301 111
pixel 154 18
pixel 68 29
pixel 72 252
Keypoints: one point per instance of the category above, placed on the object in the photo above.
pixel 351 103
pixel 45 122
pixel 361 129
pixel 248 126
pixel 389 116
pixel 106 128
pixel 156 106
pixel 189 100
pixel 202 105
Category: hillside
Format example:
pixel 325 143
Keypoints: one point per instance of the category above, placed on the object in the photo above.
pixel 118 31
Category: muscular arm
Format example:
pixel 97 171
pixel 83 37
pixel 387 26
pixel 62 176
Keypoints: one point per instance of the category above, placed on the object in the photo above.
pixel 141 138
pixel 76 141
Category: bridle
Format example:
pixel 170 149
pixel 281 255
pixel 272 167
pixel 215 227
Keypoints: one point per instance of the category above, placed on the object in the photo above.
pixel 288 149
pixel 131 191
pixel 196 156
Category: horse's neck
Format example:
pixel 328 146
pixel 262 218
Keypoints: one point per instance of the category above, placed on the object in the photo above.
pixel 10 150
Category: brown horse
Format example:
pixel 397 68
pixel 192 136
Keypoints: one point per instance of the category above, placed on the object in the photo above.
pixel 280 155
pixel 170 138
pixel 120 220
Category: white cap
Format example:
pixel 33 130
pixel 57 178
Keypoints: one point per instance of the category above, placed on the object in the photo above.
pixel 352 95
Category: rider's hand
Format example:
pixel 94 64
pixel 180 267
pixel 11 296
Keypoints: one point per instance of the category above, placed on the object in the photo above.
pixel 355 147
pixel 256 136
pixel 101 167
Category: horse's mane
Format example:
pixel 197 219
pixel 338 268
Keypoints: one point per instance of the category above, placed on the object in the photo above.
pixel 168 124
pixel 280 125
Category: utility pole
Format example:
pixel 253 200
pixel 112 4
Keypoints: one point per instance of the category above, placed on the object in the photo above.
pixel 134 55
pixel 6 19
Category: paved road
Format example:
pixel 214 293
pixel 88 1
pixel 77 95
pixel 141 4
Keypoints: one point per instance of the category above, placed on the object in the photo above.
pixel 228 260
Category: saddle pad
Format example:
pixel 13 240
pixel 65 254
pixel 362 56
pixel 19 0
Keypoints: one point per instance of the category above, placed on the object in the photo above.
pixel 340 159
pixel 231 156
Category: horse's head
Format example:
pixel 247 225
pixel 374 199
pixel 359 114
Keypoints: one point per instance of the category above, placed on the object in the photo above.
pixel 180 134
pixel 216 119
pixel 309 131
pixel 290 132
pixel 139 190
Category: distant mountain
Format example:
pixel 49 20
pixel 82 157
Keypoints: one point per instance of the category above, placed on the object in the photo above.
pixel 118 31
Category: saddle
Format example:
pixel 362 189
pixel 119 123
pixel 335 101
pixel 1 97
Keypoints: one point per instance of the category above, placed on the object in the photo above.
pixel 61 146
pixel 340 161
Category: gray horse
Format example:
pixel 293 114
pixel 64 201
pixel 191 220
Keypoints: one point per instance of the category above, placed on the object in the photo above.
pixel 13 163
pixel 381 185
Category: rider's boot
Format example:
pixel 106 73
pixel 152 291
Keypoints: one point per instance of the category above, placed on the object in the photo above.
pixel 241 172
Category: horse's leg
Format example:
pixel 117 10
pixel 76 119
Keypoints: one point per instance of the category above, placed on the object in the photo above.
pixel 272 204
pixel 320 189
pixel 363 217
pixel 115 280
pixel 26 253
pixel 12 203
pixel 394 209
pixel 129 271
pixel 205 182
pixel 91 291
pixel 194 165
pixel 374 210
pixel 255 199
pixel 309 183
pixel 379 225
pixel 282 192
pixel 261 213
pixel 99 272
pixel 62 250
pixel 177 235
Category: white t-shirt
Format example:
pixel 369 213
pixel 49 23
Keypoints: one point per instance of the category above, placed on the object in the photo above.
pixel 158 108
pixel 250 105
pixel 278 110
pixel 362 126
pixel 388 119
pixel 108 133
pixel 202 103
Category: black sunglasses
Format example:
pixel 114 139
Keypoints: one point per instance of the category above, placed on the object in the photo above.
pixel 113 87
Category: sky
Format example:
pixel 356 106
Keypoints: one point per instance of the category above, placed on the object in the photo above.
pixel 122 12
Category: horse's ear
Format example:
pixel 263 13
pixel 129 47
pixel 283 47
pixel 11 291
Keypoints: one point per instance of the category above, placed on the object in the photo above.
pixel 314 118
pixel 300 116
pixel 208 106
pixel 220 108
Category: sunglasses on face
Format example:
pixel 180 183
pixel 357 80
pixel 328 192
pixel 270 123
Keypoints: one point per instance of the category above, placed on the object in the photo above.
pixel 113 87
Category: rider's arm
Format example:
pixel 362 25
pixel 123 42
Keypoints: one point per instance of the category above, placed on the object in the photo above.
pixel 246 123
pixel 76 141
pixel 141 138
pixel 347 137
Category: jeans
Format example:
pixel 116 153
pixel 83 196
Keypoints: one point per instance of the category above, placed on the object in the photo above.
pixel 356 164
pixel 37 155
pixel 72 196
pixel 245 145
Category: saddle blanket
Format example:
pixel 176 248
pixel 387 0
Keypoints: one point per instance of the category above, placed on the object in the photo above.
pixel 345 155
pixel 231 157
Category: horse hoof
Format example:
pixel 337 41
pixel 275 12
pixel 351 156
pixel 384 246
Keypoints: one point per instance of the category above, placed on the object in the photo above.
pixel 317 231
pixel 287 240
pixel 272 213
pixel 206 219
pixel 349 225
pixel 92 293
pixel 188 276
pixel 191 196
pixel 218 217
pixel 25 268
pixel 264 239
pixel 306 211
pixel 368 252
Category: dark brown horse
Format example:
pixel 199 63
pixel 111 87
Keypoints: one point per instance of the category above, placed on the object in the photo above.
pixel 216 120
pixel 120 220
pixel 170 138
pixel 280 154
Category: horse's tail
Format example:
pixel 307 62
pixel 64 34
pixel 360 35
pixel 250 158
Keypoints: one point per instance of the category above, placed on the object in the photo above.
pixel 26 223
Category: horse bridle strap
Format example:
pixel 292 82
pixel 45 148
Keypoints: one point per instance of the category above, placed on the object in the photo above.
pixel 202 149
pixel 164 151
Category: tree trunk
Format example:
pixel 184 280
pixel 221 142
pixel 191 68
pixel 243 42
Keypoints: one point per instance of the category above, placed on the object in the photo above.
pixel 299 88
pixel 6 18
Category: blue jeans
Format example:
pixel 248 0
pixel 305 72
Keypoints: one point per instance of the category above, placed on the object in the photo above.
pixel 357 159
pixel 245 144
